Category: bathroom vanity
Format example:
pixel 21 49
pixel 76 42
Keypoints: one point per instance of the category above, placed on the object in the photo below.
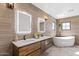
pixel 32 46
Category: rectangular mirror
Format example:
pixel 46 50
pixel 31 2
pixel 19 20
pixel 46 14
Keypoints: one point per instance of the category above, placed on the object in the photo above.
pixel 53 26
pixel 41 25
pixel 23 22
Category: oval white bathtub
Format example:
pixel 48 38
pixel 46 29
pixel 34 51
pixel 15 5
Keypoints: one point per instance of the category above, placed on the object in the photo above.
pixel 64 41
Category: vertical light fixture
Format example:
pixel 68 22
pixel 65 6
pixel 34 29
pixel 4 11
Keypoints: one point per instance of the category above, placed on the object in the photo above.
pixel 46 18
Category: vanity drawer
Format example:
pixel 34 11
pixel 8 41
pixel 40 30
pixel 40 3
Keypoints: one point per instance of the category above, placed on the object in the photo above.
pixel 28 49
pixel 35 53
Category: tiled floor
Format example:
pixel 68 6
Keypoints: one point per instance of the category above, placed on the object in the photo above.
pixel 65 51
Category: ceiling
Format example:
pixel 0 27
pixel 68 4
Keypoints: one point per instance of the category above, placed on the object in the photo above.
pixel 59 10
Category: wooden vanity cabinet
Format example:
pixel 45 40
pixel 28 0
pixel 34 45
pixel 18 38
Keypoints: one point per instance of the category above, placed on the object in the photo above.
pixel 49 43
pixel 45 44
pixel 35 53
pixel 34 49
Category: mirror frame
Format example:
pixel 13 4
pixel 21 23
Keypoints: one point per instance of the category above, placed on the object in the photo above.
pixel 17 22
pixel 40 20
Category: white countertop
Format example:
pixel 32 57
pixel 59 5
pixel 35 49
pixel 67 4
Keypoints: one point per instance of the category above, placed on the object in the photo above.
pixel 21 43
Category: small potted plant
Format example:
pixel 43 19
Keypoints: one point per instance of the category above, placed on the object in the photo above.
pixel 36 35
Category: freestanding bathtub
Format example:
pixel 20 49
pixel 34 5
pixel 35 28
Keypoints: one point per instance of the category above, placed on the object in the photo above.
pixel 64 41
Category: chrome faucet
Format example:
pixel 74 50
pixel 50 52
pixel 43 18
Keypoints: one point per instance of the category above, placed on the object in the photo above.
pixel 24 37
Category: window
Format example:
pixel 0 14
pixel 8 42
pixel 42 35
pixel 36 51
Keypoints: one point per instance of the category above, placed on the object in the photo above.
pixel 23 23
pixel 66 26
pixel 53 26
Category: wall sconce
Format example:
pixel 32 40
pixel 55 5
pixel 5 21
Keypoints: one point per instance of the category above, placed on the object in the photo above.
pixel 10 5
pixel 46 18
